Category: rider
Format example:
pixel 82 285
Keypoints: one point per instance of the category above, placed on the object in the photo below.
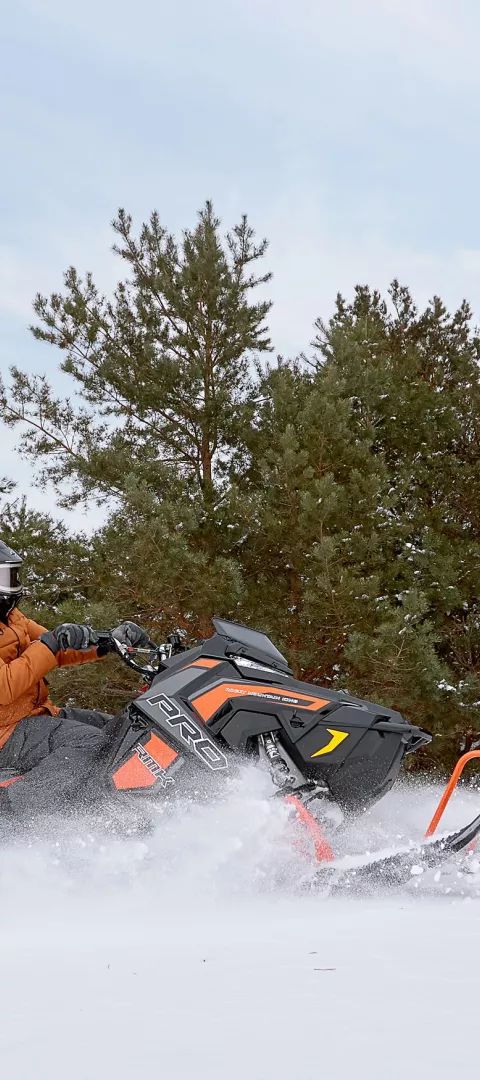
pixel 53 747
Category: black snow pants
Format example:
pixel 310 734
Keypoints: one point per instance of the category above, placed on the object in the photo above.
pixel 56 757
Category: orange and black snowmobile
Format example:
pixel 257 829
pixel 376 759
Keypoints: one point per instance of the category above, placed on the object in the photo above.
pixel 205 709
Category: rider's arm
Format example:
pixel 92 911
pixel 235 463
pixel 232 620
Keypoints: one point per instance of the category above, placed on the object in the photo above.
pixel 34 630
pixel 65 657
pixel 19 675
pixel 69 657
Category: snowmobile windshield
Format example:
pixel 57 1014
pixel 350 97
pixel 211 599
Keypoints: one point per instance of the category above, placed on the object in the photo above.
pixel 10 583
pixel 253 640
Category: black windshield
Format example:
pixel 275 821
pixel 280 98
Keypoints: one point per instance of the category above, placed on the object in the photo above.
pixel 252 639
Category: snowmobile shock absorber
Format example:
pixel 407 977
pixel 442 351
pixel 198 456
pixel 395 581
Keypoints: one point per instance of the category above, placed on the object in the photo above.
pixel 287 782
pixel 281 774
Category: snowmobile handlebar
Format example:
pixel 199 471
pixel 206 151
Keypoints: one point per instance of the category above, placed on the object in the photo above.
pixel 157 654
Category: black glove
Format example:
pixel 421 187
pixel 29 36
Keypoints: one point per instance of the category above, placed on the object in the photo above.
pixel 128 633
pixel 70 636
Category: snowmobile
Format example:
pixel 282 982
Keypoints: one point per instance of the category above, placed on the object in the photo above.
pixel 203 710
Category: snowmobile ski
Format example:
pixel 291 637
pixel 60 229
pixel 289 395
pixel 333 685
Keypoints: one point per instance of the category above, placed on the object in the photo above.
pixel 399 867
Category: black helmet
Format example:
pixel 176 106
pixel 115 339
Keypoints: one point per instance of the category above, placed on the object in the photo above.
pixel 10 585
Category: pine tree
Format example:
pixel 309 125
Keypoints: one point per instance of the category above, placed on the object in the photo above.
pixel 163 369
pixel 165 376
pixel 60 585
pixel 332 501
pixel 412 381
pixel 305 521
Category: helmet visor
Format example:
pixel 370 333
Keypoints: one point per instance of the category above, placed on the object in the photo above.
pixel 10 579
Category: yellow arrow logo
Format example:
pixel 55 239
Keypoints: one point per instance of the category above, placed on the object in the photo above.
pixel 337 738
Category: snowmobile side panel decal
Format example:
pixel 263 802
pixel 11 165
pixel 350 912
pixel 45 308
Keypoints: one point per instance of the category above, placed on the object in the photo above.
pixel 133 774
pixel 207 703
pixel 186 729
pixel 337 738
pixel 146 765
pixel 163 754
pixel 205 662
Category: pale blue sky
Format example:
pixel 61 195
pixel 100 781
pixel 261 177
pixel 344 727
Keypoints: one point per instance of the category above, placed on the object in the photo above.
pixel 348 130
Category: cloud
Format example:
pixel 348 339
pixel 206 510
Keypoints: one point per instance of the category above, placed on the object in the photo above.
pixel 346 130
pixel 312 261
pixel 18 281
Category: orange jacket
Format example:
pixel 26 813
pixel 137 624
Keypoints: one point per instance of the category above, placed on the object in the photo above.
pixel 24 662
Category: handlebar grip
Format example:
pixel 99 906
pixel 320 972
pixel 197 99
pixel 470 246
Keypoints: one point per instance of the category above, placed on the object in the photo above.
pixel 104 643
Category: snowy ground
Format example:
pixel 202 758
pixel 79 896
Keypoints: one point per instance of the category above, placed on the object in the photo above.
pixel 200 952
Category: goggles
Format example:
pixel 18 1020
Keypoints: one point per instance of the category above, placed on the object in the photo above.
pixel 10 583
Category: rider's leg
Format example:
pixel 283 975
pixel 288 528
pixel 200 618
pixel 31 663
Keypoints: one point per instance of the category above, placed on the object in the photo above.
pixel 92 717
pixel 58 757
